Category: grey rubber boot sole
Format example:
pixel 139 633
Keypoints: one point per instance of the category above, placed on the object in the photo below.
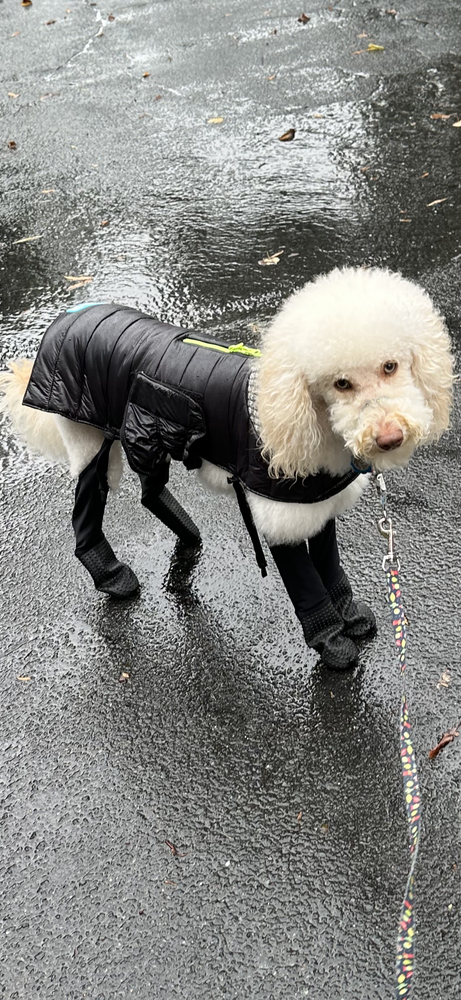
pixel 324 632
pixel 109 575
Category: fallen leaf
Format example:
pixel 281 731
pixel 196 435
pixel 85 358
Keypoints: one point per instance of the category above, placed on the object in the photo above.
pixel 26 3
pixel 27 239
pixel 303 19
pixel 375 48
pixel 105 222
pixel 214 121
pixel 271 258
pixel 447 738
pixel 146 74
pixel 50 22
pixel 438 114
pixel 444 680
pixel 174 849
pixel 457 124
pixel 10 94
pixel 324 828
pixel 24 678
pixel 111 17
pixel 288 136
pixel 78 277
pixel 158 97
pixel 272 77
pixel 12 144
pixel 300 816
pixel 436 202
pixel 424 175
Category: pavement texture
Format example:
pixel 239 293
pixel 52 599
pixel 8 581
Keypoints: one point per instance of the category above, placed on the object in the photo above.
pixel 227 820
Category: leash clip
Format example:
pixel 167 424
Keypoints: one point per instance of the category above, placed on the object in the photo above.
pixel 391 560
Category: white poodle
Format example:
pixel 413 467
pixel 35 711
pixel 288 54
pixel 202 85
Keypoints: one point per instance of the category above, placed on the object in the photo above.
pixel 355 372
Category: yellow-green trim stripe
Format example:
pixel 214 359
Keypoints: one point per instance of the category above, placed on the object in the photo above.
pixel 232 349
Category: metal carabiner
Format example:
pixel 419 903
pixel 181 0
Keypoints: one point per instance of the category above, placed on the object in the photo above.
pixel 386 530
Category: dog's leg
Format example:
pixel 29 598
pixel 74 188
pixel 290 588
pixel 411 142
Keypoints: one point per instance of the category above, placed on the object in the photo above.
pixel 322 624
pixel 92 548
pixel 359 620
pixel 169 511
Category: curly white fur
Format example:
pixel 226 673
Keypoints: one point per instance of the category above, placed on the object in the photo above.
pixel 346 325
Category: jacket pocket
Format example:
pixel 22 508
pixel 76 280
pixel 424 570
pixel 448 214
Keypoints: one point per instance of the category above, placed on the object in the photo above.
pixel 160 421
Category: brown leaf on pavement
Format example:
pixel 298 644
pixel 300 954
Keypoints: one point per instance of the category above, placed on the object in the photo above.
pixel 447 738
pixel 288 136
pixel 271 258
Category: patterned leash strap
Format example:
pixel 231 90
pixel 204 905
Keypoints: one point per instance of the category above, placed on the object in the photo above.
pixel 405 960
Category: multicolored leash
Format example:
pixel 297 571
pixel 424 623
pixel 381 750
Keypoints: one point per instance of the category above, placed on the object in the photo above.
pixel 405 940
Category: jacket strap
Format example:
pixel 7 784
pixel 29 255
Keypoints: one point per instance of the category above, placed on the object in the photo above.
pixel 249 523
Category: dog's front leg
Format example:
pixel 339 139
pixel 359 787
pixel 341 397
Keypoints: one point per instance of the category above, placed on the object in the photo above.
pixel 92 548
pixel 322 623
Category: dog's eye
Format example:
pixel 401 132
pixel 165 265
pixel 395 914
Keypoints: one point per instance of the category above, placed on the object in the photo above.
pixel 390 367
pixel 343 384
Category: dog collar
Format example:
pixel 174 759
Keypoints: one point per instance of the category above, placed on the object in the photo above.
pixel 359 465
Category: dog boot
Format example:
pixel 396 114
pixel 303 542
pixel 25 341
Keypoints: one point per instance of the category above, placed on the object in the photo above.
pixel 324 631
pixel 359 620
pixel 109 575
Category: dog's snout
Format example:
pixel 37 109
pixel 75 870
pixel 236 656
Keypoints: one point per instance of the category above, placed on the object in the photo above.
pixel 389 440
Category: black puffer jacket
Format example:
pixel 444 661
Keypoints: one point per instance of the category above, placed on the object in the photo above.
pixel 138 380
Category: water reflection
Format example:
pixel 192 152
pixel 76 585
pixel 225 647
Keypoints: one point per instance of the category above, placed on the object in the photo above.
pixel 189 248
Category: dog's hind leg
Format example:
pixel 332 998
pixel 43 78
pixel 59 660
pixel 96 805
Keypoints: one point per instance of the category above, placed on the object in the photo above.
pixel 169 511
pixel 92 548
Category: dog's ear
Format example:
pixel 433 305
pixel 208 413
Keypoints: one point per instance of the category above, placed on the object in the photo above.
pixel 432 369
pixel 290 432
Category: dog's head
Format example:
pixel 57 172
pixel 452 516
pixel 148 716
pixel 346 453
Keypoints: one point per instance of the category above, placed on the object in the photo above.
pixel 357 362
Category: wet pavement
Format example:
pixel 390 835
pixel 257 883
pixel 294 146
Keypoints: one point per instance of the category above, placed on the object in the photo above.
pixel 277 783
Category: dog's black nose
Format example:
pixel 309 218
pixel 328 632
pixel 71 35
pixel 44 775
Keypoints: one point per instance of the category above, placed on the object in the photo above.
pixel 387 442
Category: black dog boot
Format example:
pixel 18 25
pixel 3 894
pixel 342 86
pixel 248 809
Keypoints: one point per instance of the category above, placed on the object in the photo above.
pixel 359 620
pixel 324 631
pixel 109 575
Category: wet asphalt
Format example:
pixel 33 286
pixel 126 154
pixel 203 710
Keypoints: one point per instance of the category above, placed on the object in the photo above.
pixel 226 820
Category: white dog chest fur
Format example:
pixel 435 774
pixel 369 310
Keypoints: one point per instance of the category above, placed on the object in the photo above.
pixel 285 523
